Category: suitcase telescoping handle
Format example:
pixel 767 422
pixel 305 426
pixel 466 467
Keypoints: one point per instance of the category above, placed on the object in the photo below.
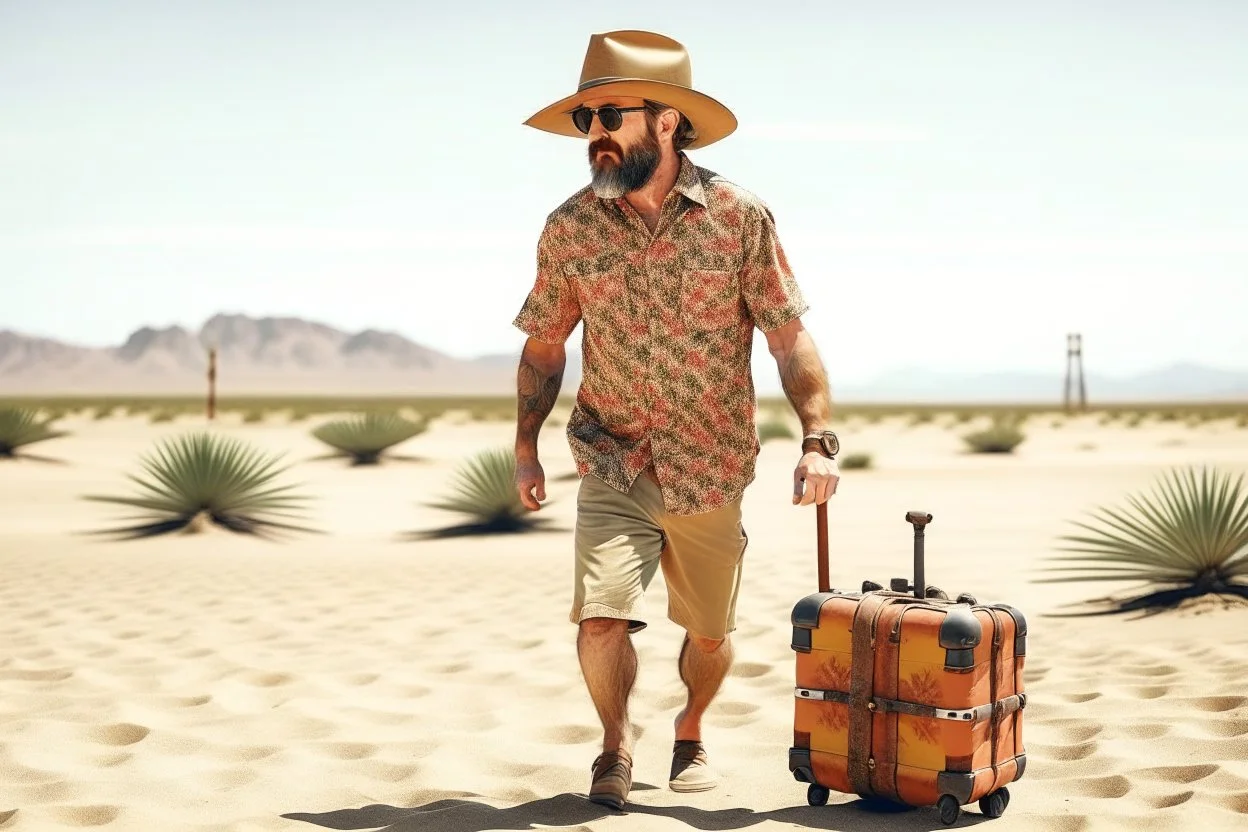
pixel 919 519
pixel 821 535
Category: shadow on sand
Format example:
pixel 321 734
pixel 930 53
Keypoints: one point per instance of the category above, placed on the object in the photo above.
pixel 575 810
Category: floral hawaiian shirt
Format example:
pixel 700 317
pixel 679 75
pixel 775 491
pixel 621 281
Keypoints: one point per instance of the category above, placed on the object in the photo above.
pixel 668 332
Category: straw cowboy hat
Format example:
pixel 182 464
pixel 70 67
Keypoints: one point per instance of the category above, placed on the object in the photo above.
pixel 640 65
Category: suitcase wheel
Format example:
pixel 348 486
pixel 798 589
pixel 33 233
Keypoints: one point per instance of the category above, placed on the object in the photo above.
pixel 993 804
pixel 949 809
pixel 816 795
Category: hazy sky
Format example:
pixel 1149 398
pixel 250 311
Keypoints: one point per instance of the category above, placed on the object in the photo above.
pixel 957 184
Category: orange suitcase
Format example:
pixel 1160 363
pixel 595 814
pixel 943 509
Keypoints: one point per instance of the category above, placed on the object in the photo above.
pixel 906 696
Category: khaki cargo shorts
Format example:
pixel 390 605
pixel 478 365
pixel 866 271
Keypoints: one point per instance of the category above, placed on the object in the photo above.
pixel 621 541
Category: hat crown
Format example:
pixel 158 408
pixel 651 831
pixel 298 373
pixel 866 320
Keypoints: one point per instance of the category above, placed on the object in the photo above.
pixel 635 54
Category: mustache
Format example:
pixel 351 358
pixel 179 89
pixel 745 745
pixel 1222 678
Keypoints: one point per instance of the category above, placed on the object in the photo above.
pixel 605 144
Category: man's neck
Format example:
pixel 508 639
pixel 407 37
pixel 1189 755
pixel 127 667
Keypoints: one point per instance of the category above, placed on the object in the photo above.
pixel 648 200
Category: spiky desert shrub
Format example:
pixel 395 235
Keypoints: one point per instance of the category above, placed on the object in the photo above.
pixel 774 427
pixel 1190 536
pixel 851 462
pixel 484 489
pixel 364 437
pixel 201 479
pixel 20 426
pixel 1001 437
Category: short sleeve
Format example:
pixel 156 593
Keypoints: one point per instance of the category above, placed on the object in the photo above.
pixel 551 311
pixel 770 291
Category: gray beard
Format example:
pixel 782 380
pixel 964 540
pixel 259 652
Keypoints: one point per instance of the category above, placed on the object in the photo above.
pixel 613 182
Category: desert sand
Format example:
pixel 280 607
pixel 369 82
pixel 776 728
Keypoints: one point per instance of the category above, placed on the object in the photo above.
pixel 357 679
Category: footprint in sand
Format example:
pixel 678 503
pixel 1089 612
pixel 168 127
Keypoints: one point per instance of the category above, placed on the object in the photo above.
pixel 1072 730
pixel 230 778
pixel 1081 697
pixel 1217 703
pixel 568 734
pixel 1143 730
pixel 387 772
pixel 1177 774
pixel 1170 800
pixel 85 815
pixel 1234 802
pixel 749 670
pixel 1108 787
pixel 348 750
pixel 1065 753
pixel 1151 670
pixel 731 708
pixel 1225 727
pixel 121 733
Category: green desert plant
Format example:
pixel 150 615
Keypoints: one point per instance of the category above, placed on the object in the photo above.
pixel 1001 437
pixel 20 427
pixel 485 490
pixel 1189 536
pixel 365 437
pixel 201 479
pixel 774 428
pixel 851 462
pixel 162 416
pixel 253 416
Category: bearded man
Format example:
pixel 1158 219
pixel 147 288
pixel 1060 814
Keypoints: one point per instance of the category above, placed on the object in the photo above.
pixel 670 267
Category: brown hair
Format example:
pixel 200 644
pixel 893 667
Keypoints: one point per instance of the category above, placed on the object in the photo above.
pixel 685 132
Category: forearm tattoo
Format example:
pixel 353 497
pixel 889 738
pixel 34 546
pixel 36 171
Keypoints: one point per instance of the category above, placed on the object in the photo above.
pixel 806 384
pixel 538 391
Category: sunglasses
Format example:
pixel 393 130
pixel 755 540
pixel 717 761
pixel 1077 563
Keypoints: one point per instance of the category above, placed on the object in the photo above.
pixel 610 117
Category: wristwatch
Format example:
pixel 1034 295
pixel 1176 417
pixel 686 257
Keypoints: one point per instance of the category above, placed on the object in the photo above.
pixel 824 442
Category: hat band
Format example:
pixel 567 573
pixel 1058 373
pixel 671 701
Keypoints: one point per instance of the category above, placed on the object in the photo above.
pixel 597 82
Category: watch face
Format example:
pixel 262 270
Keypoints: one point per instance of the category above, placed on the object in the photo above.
pixel 831 444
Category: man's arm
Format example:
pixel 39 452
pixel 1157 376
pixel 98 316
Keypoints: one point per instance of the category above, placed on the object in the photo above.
pixel 538 380
pixel 802 375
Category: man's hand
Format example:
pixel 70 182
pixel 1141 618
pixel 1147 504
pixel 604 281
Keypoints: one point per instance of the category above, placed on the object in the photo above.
pixel 815 479
pixel 529 478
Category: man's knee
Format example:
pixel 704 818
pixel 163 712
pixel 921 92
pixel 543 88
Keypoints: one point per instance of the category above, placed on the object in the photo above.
pixel 600 627
pixel 706 645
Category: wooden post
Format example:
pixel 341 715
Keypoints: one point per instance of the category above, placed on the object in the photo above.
pixel 212 383
pixel 1074 365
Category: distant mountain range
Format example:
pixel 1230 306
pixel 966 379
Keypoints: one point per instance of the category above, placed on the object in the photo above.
pixel 279 355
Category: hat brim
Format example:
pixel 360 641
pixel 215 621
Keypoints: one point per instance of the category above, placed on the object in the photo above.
pixel 712 120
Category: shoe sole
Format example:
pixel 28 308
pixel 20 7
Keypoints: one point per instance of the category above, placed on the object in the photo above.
pixel 691 787
pixel 607 800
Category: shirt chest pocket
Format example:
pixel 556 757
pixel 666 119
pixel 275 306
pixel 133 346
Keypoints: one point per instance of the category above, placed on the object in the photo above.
pixel 710 299
pixel 601 292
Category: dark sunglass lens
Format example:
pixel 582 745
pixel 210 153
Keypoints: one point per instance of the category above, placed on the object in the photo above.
pixel 610 118
pixel 582 117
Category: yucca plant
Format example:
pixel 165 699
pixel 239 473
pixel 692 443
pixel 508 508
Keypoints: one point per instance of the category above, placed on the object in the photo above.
pixel 774 427
pixel 365 437
pixel 20 427
pixel 1001 437
pixel 484 489
pixel 198 480
pixel 1189 537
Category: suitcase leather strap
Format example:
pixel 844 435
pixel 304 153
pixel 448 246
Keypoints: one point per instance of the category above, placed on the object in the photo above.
pixel 861 690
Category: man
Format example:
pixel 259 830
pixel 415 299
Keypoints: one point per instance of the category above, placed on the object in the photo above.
pixel 669 267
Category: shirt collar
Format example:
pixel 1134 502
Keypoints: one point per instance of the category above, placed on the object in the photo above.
pixel 688 182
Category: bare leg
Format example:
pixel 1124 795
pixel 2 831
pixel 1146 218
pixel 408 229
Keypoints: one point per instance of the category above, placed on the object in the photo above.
pixel 609 664
pixel 703 665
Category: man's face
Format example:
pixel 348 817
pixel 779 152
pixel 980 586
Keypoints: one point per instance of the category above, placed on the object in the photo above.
pixel 623 161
